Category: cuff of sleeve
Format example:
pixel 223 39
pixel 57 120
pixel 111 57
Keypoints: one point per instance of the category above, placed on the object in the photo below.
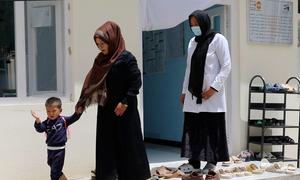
pixel 217 86
pixel 214 89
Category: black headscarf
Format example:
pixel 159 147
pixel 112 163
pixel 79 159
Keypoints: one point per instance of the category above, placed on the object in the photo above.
pixel 199 55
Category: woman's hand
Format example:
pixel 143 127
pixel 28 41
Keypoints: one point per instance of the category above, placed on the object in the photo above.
pixel 181 98
pixel 208 93
pixel 120 109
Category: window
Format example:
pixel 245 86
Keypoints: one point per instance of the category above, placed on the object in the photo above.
pixel 7 50
pixel 32 58
pixel 44 27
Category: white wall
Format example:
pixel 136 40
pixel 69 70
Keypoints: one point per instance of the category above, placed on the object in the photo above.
pixel 23 153
pixel 276 63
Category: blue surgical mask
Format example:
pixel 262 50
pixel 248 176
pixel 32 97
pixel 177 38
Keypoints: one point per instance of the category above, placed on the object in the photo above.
pixel 196 30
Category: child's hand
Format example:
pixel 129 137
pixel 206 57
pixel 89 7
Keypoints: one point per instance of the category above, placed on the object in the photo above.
pixel 36 116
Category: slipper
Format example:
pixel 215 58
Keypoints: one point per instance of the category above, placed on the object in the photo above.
pixel 254 169
pixel 271 168
pixel 251 167
pixel 227 163
pixel 162 171
pixel 167 173
pixel 236 159
pixel 247 173
pixel 224 175
pixel 291 167
pixel 258 171
pixel 186 168
pixel 264 163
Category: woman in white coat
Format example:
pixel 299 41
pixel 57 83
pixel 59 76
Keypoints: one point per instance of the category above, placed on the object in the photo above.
pixel 203 95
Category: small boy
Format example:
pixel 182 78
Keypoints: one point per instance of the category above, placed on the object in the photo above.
pixel 55 127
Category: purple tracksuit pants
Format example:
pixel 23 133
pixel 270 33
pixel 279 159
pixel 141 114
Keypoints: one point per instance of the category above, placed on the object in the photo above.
pixel 56 160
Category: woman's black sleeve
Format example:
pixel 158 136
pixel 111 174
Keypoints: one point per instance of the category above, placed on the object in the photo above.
pixel 134 79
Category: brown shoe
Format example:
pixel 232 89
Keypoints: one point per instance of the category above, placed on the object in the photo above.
pixel 63 177
pixel 212 175
pixel 193 176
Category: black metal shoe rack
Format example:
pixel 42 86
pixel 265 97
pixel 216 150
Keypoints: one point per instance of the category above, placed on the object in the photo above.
pixel 266 123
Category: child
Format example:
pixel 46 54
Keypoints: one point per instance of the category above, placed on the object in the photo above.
pixel 55 127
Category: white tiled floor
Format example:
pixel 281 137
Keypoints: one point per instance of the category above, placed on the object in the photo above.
pixel 159 153
pixel 170 156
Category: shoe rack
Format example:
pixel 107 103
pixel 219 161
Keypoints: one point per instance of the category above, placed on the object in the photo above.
pixel 262 108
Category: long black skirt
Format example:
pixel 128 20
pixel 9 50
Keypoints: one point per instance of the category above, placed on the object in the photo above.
pixel 204 137
pixel 120 150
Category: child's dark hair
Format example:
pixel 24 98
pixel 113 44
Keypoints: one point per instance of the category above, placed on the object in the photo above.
pixel 53 101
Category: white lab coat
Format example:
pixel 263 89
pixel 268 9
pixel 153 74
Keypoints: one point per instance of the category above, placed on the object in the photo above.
pixel 216 71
